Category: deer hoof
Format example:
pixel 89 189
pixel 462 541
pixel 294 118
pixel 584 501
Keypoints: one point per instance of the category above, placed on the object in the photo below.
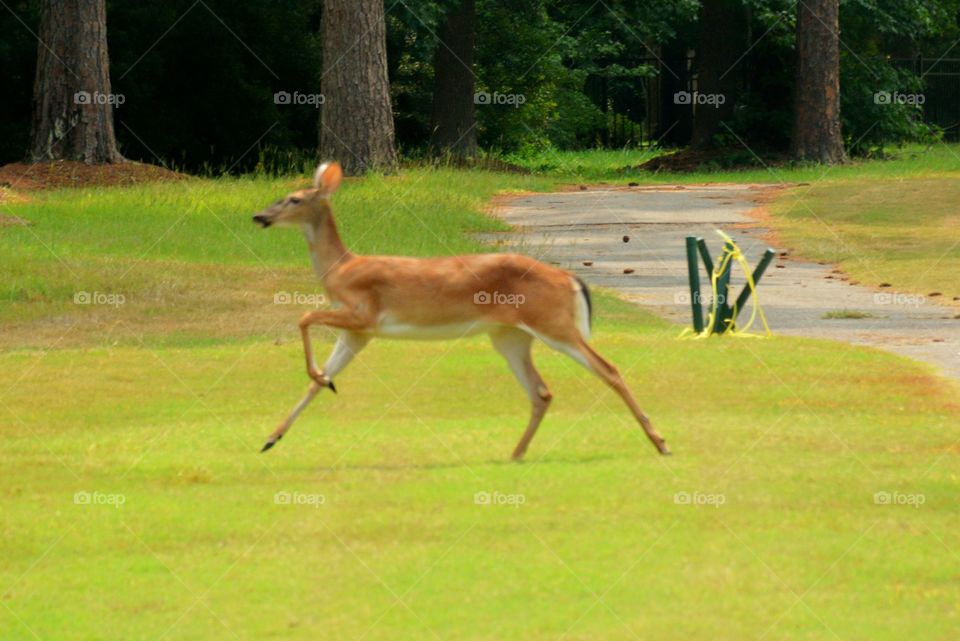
pixel 270 444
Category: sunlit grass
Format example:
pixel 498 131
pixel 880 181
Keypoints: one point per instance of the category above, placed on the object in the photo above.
pixel 904 232
pixel 788 440
pixel 789 446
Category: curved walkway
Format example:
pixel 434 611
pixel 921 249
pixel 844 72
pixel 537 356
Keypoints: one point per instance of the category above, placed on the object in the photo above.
pixel 584 232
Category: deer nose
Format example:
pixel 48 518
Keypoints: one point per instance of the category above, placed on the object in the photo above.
pixel 262 220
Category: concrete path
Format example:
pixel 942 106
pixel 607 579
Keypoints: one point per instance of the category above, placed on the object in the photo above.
pixel 572 229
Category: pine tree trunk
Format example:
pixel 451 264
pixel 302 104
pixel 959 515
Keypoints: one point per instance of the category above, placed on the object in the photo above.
pixel 356 120
pixel 452 122
pixel 723 39
pixel 72 100
pixel 816 112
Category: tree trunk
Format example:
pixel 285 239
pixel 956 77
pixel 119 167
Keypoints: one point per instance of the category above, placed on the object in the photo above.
pixel 723 39
pixel 452 123
pixel 72 99
pixel 675 120
pixel 356 121
pixel 816 111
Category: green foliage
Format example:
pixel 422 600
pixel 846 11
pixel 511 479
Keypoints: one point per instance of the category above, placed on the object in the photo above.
pixel 881 105
pixel 199 79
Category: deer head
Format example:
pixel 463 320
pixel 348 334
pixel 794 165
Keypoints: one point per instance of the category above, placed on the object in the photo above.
pixel 304 206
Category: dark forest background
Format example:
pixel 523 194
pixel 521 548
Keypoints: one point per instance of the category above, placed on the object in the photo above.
pixel 199 77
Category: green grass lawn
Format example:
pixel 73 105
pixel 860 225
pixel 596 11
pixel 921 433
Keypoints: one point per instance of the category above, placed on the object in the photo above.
pixel 364 523
pixel 903 231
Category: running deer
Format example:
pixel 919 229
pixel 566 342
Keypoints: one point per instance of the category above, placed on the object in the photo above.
pixel 510 297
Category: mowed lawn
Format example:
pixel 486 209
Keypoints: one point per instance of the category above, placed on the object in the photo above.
pixel 904 232
pixel 811 495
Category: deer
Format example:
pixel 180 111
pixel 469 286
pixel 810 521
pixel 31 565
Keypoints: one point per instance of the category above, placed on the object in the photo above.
pixel 512 298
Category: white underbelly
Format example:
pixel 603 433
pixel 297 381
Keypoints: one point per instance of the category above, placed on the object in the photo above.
pixel 388 327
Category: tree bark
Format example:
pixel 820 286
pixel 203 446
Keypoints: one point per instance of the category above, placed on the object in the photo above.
pixel 452 123
pixel 674 120
pixel 356 120
pixel 723 39
pixel 816 111
pixel 72 99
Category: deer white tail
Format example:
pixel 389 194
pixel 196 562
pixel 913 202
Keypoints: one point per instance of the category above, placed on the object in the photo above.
pixel 583 308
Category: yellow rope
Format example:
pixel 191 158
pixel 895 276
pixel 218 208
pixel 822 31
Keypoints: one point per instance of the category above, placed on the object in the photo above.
pixel 732 327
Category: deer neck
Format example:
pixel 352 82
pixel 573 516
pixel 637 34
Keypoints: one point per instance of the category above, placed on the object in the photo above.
pixel 326 249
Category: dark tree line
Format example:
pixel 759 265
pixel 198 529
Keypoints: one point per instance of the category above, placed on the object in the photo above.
pixel 450 77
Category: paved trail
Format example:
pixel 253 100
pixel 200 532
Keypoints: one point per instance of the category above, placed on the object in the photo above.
pixel 570 228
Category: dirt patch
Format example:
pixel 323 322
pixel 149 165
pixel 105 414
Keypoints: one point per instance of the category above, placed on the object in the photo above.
pixel 692 160
pixel 762 216
pixel 61 174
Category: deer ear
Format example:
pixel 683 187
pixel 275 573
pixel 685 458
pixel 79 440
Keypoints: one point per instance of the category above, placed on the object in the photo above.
pixel 327 177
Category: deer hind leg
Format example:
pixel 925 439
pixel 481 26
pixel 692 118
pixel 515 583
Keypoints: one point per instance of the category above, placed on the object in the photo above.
pixel 514 346
pixel 579 350
pixel 348 345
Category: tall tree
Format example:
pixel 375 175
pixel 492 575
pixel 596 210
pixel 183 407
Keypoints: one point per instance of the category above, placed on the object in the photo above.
pixel 452 120
pixel 72 102
pixel 356 121
pixel 723 41
pixel 816 110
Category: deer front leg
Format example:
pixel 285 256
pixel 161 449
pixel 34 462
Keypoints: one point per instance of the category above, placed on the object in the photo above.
pixel 343 319
pixel 348 345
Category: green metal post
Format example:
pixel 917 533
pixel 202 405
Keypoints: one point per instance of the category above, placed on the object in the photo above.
pixel 723 293
pixel 705 254
pixel 693 269
pixel 757 273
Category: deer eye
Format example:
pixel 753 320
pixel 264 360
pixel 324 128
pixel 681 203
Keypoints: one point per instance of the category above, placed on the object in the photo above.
pixel 294 201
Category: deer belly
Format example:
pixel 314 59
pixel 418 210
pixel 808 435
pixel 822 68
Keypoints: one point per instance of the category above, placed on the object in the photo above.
pixel 389 327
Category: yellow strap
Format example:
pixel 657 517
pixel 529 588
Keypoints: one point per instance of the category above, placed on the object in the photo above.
pixel 733 329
